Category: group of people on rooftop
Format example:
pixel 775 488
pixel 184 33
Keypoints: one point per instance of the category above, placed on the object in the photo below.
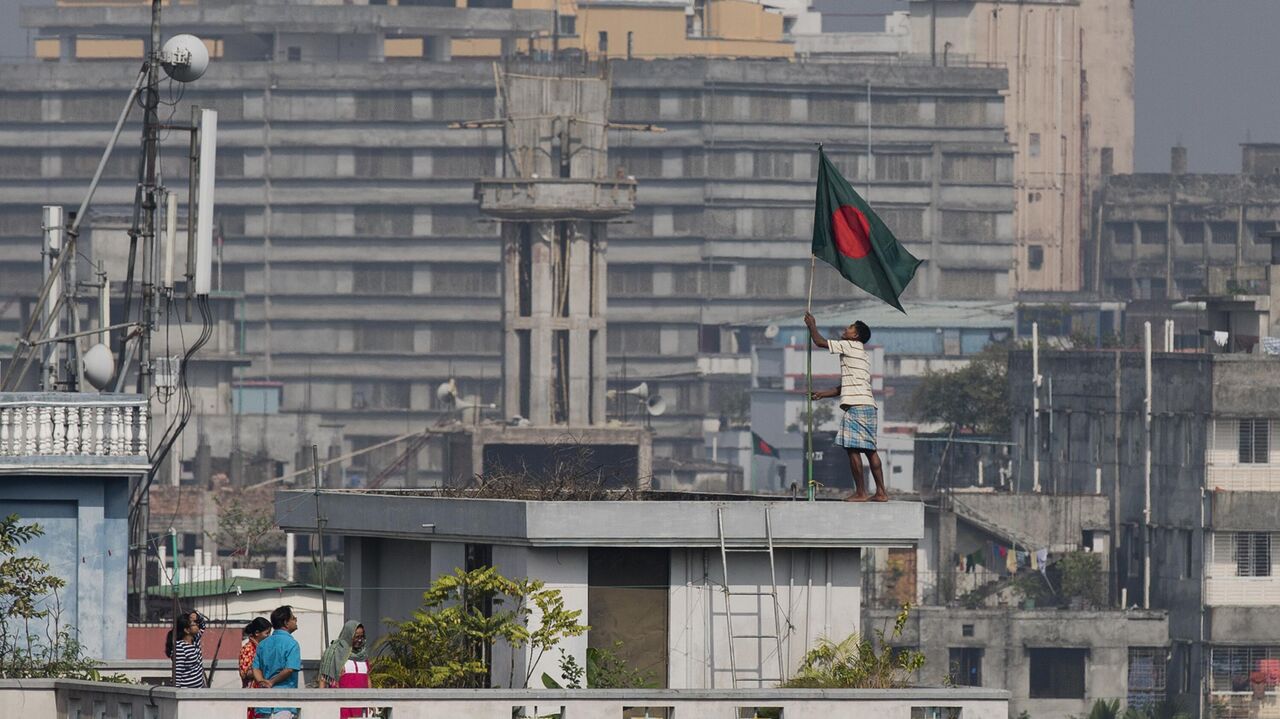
pixel 270 658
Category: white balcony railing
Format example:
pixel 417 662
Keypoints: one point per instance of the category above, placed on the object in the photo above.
pixel 1244 477
pixel 1241 591
pixel 44 428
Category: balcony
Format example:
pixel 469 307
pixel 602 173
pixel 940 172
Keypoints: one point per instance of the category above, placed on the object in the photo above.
pixel 555 198
pixel 43 697
pixel 1244 477
pixel 53 433
pixel 1243 705
pixel 1241 591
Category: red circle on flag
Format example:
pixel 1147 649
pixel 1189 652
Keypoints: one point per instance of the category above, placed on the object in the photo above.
pixel 852 232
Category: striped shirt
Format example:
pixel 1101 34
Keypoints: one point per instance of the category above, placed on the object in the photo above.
pixel 188 665
pixel 855 373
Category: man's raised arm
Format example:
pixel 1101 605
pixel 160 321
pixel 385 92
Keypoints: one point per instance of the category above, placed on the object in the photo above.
pixel 814 334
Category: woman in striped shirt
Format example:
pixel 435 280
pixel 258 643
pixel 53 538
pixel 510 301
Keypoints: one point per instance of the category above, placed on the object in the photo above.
pixel 188 661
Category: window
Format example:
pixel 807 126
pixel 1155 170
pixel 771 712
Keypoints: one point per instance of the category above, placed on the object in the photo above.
pixel 966 630
pixel 899 168
pixel 630 281
pixel 1057 673
pixel 1153 233
pixel 1223 233
pixel 1230 667
pixel 384 221
pixel 1191 233
pixel 465 338
pixel 1188 555
pixel 1033 145
pixel 603 45
pixel 383 337
pixel 962 224
pixel 630 43
pixel 380 395
pixel 966 666
pixel 767 281
pixel 294 53
pixel 568 24
pixel 1254 441
pixel 634 339
pixel 1120 233
pixel 464 280
pixel 1146 676
pixel 1252 554
pixel 382 279
pixel 1035 256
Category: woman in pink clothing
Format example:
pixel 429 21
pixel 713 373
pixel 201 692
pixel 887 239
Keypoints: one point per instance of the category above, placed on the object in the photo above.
pixel 344 664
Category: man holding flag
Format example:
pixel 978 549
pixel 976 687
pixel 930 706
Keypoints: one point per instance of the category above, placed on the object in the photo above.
pixel 850 237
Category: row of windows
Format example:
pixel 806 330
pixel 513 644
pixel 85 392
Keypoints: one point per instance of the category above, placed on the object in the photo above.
pixel 783 164
pixel 1188 233
pixel 808 107
pixel 450 105
pixel 1059 673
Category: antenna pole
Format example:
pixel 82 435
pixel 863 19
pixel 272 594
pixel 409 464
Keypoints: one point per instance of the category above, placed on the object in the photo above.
pixel 150 143
pixel 320 572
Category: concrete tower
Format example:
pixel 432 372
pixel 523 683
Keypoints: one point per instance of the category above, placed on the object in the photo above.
pixel 554 197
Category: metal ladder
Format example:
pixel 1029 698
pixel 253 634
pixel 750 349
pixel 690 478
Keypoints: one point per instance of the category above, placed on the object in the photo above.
pixel 729 593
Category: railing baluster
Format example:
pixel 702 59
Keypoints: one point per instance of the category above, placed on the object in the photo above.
pixel 99 431
pixel 117 434
pixel 73 430
pixel 60 430
pixel 5 450
pixel 143 448
pixel 31 428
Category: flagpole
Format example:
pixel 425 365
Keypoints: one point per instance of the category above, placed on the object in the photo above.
pixel 808 394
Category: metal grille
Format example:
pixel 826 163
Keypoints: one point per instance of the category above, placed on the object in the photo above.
pixel 1147 676
pixel 1254 441
pixel 1231 667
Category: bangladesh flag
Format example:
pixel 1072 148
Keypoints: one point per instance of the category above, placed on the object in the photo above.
pixel 850 237
pixel 762 447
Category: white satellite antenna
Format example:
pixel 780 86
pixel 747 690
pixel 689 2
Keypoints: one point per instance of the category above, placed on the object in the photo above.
pixel 771 331
pixel 184 58
pixel 99 366
pixel 447 392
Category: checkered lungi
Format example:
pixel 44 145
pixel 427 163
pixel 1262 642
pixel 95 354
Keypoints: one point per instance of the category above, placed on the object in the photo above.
pixel 858 427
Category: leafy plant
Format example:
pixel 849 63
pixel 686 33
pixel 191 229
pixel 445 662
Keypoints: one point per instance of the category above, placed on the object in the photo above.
pixel 449 641
pixel 606 669
pixel 1162 709
pixel 1103 709
pixel 1082 578
pixel 28 593
pixel 857 663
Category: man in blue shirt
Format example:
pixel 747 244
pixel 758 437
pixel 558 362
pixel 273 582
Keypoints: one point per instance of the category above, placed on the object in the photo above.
pixel 278 661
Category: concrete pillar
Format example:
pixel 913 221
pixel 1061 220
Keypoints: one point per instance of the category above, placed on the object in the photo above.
pixel 600 358
pixel 1178 160
pixel 543 291
pixel 946 548
pixel 580 323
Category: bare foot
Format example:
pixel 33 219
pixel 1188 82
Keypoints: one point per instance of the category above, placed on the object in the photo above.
pixel 857 498
pixel 880 497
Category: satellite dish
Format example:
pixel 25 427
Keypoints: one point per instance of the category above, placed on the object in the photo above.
pixel 447 391
pixel 184 58
pixel 771 331
pixel 656 405
pixel 99 366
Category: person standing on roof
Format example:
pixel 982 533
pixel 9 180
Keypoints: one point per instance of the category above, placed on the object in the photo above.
pixel 859 424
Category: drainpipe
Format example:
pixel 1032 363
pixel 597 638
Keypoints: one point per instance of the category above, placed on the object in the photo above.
pixel 1146 469
pixel 1035 406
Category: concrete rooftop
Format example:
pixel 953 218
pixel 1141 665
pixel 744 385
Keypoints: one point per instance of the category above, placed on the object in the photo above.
pixel 601 523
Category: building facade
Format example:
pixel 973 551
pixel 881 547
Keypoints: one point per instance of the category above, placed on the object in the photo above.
pixel 340 203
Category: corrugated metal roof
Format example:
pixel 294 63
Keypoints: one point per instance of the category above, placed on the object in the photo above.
pixel 233 585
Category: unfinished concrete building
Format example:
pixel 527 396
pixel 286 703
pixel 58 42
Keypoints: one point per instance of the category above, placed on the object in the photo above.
pixel 347 206
pixel 553 199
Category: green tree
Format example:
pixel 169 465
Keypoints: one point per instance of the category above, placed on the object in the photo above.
pixel 29 595
pixel 449 641
pixel 859 663
pixel 972 398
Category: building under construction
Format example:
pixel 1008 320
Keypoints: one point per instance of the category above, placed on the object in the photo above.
pixel 554 200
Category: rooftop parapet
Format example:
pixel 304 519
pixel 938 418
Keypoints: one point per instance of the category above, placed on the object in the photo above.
pixel 57 433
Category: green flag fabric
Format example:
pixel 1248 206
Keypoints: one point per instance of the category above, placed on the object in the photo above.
pixel 850 237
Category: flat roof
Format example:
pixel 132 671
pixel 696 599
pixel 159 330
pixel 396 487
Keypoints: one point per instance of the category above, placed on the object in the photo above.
pixel 232 585
pixel 980 314
pixel 650 523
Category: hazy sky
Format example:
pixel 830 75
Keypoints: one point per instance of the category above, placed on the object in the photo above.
pixel 1203 74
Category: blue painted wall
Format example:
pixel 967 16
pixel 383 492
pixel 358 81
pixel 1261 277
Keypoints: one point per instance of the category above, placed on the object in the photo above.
pixel 86 544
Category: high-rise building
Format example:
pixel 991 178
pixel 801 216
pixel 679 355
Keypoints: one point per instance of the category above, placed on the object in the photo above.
pixel 346 200
pixel 1069 111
